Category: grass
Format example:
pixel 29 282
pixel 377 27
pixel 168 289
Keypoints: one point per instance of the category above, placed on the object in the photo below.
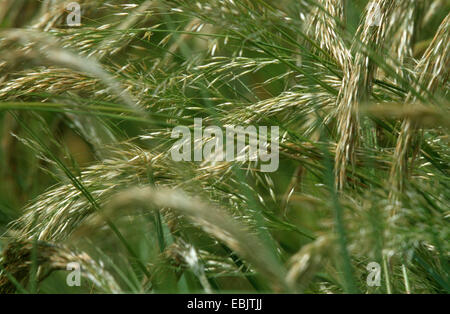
pixel 86 116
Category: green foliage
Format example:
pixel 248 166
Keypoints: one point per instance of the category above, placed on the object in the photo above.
pixel 86 115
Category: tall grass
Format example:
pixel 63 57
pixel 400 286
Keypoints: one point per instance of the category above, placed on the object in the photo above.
pixel 87 175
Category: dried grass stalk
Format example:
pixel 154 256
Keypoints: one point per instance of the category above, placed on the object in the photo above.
pixel 213 220
pixel 357 85
pixel 432 71
pixel 18 259
pixel 325 21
